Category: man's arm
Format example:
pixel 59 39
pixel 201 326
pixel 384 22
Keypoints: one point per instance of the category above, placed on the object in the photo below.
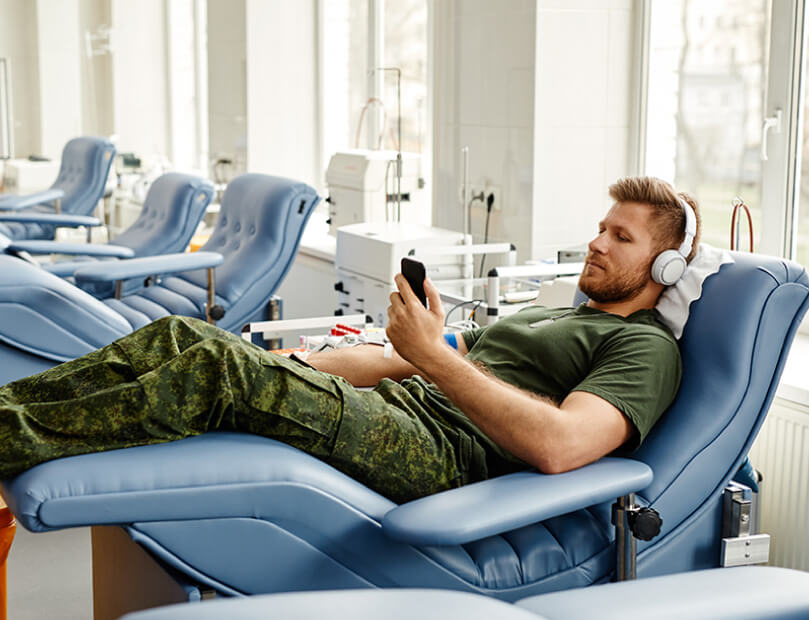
pixel 365 365
pixel 553 439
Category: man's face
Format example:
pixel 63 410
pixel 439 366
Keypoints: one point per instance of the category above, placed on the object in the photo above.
pixel 619 260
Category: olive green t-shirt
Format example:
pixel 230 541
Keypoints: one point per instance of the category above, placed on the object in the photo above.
pixel 631 362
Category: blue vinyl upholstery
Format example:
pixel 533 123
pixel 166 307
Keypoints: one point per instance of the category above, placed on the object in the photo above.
pixel 277 520
pixel 172 210
pixel 258 230
pixel 45 320
pixel 744 593
pixel 83 173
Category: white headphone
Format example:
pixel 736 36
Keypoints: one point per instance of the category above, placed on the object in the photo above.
pixel 669 266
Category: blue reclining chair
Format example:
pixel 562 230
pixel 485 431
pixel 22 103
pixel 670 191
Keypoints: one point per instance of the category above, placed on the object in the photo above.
pixel 82 178
pixel 243 514
pixel 172 210
pixel 45 320
pixel 742 593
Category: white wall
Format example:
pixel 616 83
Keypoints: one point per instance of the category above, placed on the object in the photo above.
pixel 227 80
pixel 18 42
pixel 281 88
pixel 58 91
pixel 139 91
pixel 59 74
pixel 96 70
pixel 484 99
pixel 584 58
pixel 540 92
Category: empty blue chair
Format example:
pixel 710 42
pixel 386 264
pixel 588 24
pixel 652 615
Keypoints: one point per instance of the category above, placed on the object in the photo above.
pixel 744 593
pixel 45 320
pixel 172 210
pixel 83 173
pixel 274 519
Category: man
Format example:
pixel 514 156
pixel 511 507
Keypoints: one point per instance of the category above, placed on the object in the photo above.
pixel 549 388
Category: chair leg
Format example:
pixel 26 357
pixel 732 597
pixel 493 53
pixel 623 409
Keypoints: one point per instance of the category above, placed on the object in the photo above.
pixel 8 526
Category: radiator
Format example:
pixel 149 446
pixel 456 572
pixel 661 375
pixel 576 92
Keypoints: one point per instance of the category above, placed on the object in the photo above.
pixel 781 454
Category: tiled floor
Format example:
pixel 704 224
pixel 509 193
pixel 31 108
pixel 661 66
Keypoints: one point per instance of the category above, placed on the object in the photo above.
pixel 49 576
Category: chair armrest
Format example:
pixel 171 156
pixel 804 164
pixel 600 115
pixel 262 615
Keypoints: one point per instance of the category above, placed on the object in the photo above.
pixel 58 247
pixel 14 203
pixel 57 219
pixel 501 504
pixel 147 266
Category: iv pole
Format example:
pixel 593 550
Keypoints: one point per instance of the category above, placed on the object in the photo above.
pixel 399 139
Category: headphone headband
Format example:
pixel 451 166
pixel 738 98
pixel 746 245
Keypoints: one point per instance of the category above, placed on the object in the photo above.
pixel 670 265
pixel 690 228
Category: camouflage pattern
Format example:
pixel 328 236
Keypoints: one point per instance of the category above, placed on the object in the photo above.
pixel 179 377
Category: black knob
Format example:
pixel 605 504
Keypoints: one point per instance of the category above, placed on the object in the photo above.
pixel 338 286
pixel 216 312
pixel 338 312
pixel 645 523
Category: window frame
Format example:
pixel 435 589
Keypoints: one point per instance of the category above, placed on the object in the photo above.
pixel 375 82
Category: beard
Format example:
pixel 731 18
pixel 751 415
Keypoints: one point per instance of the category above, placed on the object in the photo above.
pixel 623 287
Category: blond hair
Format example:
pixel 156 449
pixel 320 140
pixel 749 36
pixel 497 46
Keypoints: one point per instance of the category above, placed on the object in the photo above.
pixel 669 216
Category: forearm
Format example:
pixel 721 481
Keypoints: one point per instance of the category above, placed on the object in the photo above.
pixel 364 365
pixel 529 427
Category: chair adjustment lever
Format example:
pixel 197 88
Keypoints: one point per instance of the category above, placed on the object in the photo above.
pixel 644 522
pixel 631 521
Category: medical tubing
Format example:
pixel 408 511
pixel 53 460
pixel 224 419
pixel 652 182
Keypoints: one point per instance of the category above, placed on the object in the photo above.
pixel 362 119
pixel 734 232
pixel 477 303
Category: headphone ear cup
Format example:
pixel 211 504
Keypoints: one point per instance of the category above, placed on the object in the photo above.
pixel 668 267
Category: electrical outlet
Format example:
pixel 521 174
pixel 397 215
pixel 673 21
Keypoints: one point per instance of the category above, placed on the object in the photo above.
pixel 487 188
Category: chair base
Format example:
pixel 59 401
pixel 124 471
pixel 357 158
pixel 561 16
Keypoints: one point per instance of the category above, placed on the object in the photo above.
pixel 126 578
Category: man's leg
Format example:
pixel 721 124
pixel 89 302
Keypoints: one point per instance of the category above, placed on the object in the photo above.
pixel 172 379
pixel 180 377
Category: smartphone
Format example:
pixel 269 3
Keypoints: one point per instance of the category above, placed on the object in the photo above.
pixel 414 273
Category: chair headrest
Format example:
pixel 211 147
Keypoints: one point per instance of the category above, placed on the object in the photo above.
pixel 83 173
pixel 171 212
pixel 261 220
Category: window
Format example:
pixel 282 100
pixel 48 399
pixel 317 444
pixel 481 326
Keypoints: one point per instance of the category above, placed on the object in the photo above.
pixel 708 65
pixel 358 106
pixel 344 70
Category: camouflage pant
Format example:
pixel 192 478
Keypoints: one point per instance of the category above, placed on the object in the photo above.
pixel 179 377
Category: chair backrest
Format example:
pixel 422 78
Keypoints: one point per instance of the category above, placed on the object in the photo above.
pixel 171 213
pixel 260 224
pixel 733 349
pixel 83 173
pixel 261 220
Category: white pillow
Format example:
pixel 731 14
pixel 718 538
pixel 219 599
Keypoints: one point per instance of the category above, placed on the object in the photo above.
pixel 676 299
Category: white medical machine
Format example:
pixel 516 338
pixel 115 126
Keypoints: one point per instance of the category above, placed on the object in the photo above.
pixel 22 176
pixel 362 188
pixel 369 254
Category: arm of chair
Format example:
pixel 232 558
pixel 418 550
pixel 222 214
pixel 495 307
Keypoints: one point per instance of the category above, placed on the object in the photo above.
pixel 150 265
pixel 500 504
pixel 57 219
pixel 84 249
pixel 15 203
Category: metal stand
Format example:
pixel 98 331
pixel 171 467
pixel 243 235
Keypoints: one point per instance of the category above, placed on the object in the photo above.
pixel 213 311
pixel 631 522
pixel 740 544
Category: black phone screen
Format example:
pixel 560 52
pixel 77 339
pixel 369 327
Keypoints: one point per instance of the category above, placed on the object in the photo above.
pixel 414 273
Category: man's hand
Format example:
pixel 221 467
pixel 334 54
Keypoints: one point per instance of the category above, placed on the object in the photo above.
pixel 415 331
